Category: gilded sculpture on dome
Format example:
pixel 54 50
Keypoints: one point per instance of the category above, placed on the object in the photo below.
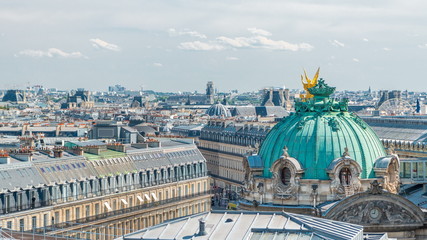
pixel 309 83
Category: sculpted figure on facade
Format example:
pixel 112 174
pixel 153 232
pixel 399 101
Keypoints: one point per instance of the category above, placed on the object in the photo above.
pixel 336 188
pixel 286 176
pixel 355 180
pixel 288 191
pixel 391 180
pixel 345 175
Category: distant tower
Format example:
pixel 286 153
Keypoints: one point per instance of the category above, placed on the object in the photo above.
pixel 210 93
pixel 418 106
pixel 13 95
pixel 276 97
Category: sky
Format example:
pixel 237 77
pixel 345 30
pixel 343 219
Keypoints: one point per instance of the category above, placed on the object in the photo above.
pixel 179 45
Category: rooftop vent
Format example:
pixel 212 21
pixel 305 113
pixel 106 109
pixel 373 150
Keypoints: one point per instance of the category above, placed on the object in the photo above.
pixel 202 227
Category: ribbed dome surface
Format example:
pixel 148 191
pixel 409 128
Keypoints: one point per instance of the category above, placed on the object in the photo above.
pixel 218 110
pixel 317 134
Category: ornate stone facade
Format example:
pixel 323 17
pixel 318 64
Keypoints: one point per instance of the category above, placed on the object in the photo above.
pixel 378 210
pixel 321 153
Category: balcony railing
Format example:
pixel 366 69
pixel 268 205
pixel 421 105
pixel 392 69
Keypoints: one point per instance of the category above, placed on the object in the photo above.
pixel 104 215
pixel 103 192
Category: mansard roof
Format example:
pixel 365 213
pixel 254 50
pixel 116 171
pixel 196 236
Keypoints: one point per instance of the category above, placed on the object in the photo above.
pixel 47 170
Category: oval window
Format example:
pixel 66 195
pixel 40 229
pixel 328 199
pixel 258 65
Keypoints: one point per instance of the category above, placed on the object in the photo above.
pixel 285 175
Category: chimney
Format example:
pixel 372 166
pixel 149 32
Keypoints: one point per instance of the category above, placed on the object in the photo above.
pixel 4 157
pixel 202 227
pixel 116 147
pixel 75 150
pixel 58 152
pixel 25 154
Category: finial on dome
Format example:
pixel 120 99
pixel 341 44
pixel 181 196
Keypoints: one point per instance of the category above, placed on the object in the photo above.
pixel 345 153
pixel 308 83
pixel 285 152
pixel 321 89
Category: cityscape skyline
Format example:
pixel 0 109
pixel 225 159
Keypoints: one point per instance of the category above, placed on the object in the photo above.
pixel 238 45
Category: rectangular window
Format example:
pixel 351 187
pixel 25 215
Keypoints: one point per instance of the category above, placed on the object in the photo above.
pixel 77 212
pixel 420 172
pixel 45 220
pixel 9 224
pixel 87 210
pixel 56 219
pixel 96 208
pixel 67 215
pixel 21 225
pixel 34 222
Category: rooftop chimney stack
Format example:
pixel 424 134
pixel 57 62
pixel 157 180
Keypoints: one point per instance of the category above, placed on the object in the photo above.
pixel 58 152
pixel 202 227
pixel 4 157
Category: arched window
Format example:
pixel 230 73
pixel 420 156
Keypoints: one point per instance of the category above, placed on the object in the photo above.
pixel 345 176
pixel 285 175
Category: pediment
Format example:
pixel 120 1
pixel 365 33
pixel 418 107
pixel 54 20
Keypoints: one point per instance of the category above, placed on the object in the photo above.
pixel 378 211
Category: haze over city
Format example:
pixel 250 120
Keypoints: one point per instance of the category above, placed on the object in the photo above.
pixel 180 45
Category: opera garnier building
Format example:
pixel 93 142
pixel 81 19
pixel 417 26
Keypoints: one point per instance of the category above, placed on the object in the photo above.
pixel 326 161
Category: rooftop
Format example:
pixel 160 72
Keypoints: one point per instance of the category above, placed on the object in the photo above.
pixel 250 225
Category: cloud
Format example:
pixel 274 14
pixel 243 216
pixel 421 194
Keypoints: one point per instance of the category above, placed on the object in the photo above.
pixel 173 32
pixel 232 58
pixel 264 43
pixel 356 60
pixel 258 42
pixel 337 43
pixel 200 46
pixel 101 44
pixel 424 46
pixel 365 40
pixel 157 65
pixel 386 49
pixel 258 31
pixel 51 52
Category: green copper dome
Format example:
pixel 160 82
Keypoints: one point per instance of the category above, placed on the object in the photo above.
pixel 318 133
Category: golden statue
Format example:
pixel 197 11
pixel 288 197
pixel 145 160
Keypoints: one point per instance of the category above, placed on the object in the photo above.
pixel 308 83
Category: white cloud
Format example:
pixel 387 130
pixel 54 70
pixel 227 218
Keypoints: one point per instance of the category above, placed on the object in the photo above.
pixel 157 65
pixel 257 41
pixel 200 46
pixel 356 60
pixel 337 43
pixel 423 46
pixel 51 52
pixel 386 49
pixel 365 40
pixel 258 31
pixel 263 42
pixel 232 58
pixel 101 44
pixel 186 32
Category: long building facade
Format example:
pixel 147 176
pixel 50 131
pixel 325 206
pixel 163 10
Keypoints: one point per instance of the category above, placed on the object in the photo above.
pixel 92 190
pixel 225 144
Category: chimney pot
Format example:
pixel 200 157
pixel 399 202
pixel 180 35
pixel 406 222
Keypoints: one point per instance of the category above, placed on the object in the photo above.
pixel 202 227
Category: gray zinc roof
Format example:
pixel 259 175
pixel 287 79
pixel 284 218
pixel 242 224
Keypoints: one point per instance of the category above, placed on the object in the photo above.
pixel 251 225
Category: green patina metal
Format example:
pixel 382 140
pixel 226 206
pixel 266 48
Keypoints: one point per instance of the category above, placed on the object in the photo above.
pixel 106 154
pixel 318 133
